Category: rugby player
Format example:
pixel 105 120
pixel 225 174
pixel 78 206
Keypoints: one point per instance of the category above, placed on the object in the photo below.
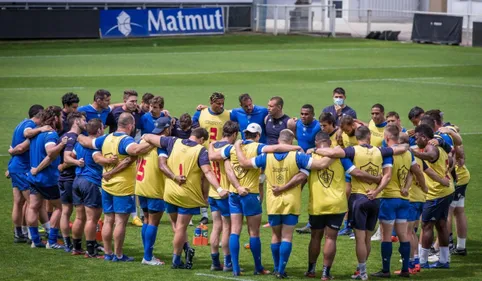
pixel 249 113
pixel 100 108
pixel 339 108
pixel 183 127
pixel 146 102
pixel 70 103
pixel 276 121
pixel 155 111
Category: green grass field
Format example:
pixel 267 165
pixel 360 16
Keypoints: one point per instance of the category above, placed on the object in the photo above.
pixel 185 71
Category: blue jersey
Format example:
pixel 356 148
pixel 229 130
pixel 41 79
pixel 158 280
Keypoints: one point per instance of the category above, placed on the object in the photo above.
pixel 305 134
pixel 147 123
pixel 91 170
pixel 49 176
pixel 123 145
pixel 303 161
pixel 257 116
pixel 92 113
pixel 20 163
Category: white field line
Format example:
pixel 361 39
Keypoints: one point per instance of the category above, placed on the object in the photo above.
pixel 198 53
pixel 239 71
pixel 380 79
pixel 222 277
pixel 42 88
pixel 409 80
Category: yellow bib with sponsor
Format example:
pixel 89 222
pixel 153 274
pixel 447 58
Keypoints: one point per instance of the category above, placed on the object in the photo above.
pixel 349 141
pixel 376 134
pixel 327 190
pixel 184 161
pixel 122 183
pixel 369 160
pixel 279 173
pixel 441 167
pixel 220 173
pixel 149 179
pixel 247 177
pixel 400 170
pixel 415 193
pixel 213 124
pixel 463 175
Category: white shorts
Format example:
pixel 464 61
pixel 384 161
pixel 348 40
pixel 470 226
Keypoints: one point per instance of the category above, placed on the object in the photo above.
pixel 459 203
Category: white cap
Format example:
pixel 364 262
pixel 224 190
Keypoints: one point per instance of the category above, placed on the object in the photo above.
pixel 254 128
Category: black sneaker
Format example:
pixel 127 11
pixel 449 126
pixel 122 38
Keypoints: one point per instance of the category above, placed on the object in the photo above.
pixel 281 276
pixel 405 274
pixel 99 247
pixel 458 252
pixel 178 266
pixel 189 257
pixel 204 220
pixel 19 239
pixel 432 251
pixel 304 230
pixel 381 274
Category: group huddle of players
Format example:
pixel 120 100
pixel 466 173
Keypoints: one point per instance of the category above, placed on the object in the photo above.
pixel 355 172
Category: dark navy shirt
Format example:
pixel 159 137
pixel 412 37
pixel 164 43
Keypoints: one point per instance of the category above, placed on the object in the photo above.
pixel 69 173
pixel 344 111
pixel 178 132
pixel 274 127
pixel 113 118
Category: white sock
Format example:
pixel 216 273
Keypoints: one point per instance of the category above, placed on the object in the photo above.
pixel 133 215
pixel 423 255
pixel 29 236
pixel 461 243
pixel 419 249
pixel 46 226
pixel 444 254
pixel 204 212
pixel 25 230
pixel 141 212
pixel 362 267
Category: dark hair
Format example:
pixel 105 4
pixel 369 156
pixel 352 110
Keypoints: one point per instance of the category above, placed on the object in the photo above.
pixel 279 101
pixel 101 94
pixel 415 112
pixel 436 115
pixel 230 128
pixel 393 132
pixel 309 107
pixel 69 99
pixel 339 90
pixel 362 133
pixel 74 115
pixel 346 120
pixel 216 96
pixel 147 97
pixel 393 113
pixel 200 133
pixel 157 100
pixel 428 120
pixel 379 106
pixel 47 116
pixel 185 121
pixel 34 110
pixel 93 126
pixel 322 136
pixel 244 97
pixel 327 117
pixel 250 136
pixel 129 93
pixel 424 130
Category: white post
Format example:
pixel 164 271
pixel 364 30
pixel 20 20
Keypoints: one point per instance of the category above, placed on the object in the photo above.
pixel 256 6
pixel 332 20
pixel 310 20
pixel 287 22
pixel 323 10
pixel 275 32
pixel 227 17
pixel 369 21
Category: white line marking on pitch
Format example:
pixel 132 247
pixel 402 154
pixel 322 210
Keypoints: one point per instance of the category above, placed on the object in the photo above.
pixel 408 80
pixel 222 277
pixel 42 88
pixel 239 71
pixel 380 79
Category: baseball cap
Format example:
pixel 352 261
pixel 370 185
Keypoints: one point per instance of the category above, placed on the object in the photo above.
pixel 161 124
pixel 253 128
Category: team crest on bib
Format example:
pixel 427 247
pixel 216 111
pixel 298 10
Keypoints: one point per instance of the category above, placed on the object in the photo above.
pixel 280 179
pixel 370 168
pixel 325 177
pixel 402 174
pixel 240 172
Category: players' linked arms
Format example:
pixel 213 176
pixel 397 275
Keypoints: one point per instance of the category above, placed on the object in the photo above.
pixel 180 180
pixel 281 148
pixel 30 133
pixel 243 162
pixel 400 149
pixel 434 176
pixel 419 177
pixel 320 164
pixel 360 122
pixel 44 164
pixel 364 176
pixel 20 148
pixel 69 160
pixel 135 149
pixel 454 135
pixel 103 161
pixel 460 155
pixel 430 153
pixel 152 139
pixel 294 181
pixel 213 154
pixel 336 152
pixel 53 151
pixel 292 125
pixel 211 177
pixel 387 176
pixel 201 107
pixel 119 167
pixel 406 187
pixel 85 141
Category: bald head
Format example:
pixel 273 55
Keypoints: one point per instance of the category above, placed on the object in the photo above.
pixel 286 136
pixel 125 119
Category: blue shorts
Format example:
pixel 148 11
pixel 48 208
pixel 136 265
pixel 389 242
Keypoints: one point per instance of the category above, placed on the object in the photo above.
pixel 151 205
pixel 86 193
pixel 248 205
pixel 65 188
pixel 220 205
pixel 394 210
pixel 416 209
pixel 437 209
pixel 275 220
pixel 171 209
pixel 48 193
pixel 118 204
pixel 19 180
pixel 364 212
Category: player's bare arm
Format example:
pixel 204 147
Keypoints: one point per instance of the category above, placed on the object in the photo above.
pixel 296 180
pixel 430 153
pixel 434 176
pixel 104 161
pixel 336 152
pixel 365 177
pixel 180 180
pixel 243 161
pixel 20 148
pixel 30 133
pixel 119 167
pixel 406 186
pixel 419 177
pixel 234 180
pixel 208 173
pixel 387 176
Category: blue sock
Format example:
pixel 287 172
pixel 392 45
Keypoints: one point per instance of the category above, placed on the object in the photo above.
pixel 176 260
pixel 285 252
pixel 215 258
pixel 404 250
pixel 234 249
pixel 150 239
pixel 54 233
pixel 255 245
pixel 34 234
pixel 275 252
pixel 308 224
pixel 143 234
pixel 345 224
pixel 393 232
pixel 416 261
pixel 386 255
pixel 227 261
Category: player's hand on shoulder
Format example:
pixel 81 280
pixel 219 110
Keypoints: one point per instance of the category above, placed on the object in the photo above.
pixel 410 132
pixel 46 128
pixel 65 140
pixel 433 142
pixel 200 107
pixel 310 151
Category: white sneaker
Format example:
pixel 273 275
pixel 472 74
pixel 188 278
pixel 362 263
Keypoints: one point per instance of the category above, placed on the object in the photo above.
pixel 190 223
pixel 152 262
pixel 433 258
pixel 377 236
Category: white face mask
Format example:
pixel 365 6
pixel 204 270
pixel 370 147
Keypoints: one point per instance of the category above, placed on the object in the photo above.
pixel 338 101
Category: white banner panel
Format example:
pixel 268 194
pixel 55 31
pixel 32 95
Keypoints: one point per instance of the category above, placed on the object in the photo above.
pixel 134 1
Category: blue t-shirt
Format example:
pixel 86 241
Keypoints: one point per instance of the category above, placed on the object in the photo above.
pixel 92 113
pixel 167 143
pixel 147 121
pixel 91 170
pixel 305 134
pixel 20 163
pixel 257 116
pixel 123 144
pixel 344 111
pixel 49 176
pixel 226 152
pixel 303 161
pixel 69 173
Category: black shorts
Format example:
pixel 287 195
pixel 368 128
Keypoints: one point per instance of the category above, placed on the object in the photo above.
pixel 48 193
pixel 86 193
pixel 437 209
pixel 365 212
pixel 65 188
pixel 460 192
pixel 333 221
pixel 351 199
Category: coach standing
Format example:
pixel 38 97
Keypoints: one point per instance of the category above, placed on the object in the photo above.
pixel 339 107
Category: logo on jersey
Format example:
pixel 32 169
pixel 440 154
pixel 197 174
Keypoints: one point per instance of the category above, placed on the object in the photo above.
pixel 370 168
pixel 280 179
pixel 402 174
pixel 239 171
pixel 325 177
